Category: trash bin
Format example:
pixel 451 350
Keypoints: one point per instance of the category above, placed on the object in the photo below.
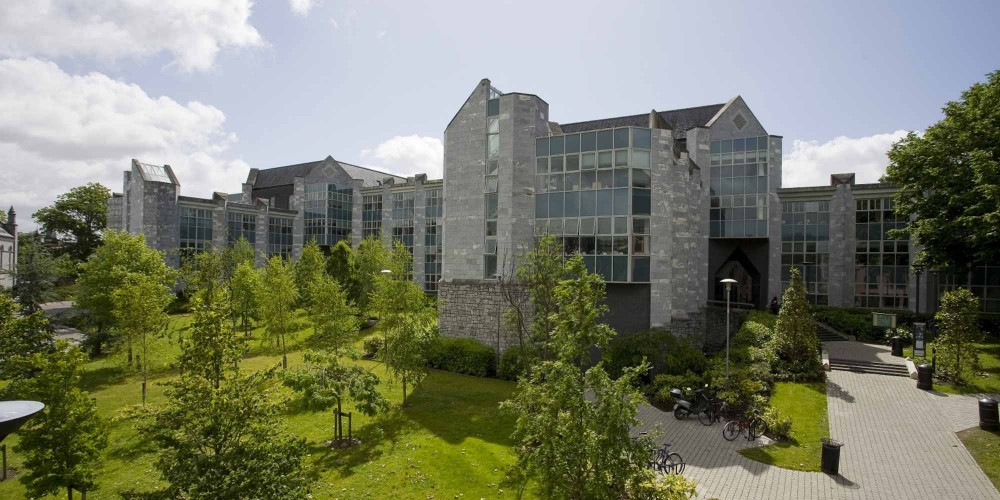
pixel 830 462
pixel 988 418
pixel 897 346
pixel 924 380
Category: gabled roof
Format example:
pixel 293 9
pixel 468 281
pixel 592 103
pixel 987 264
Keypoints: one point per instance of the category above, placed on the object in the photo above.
pixel 285 176
pixel 4 233
pixel 680 120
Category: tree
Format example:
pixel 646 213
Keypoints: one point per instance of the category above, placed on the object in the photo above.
pixel 573 425
pixel 21 337
pixel 76 220
pixel 370 259
pixel 340 265
pixel 307 269
pixel 403 316
pixel 62 445
pixel 241 251
pixel 120 257
pixel 795 341
pixel 949 182
pixel 140 311
pixel 541 272
pixel 36 273
pixel 279 309
pixel 247 292
pixel 958 326
pixel 333 318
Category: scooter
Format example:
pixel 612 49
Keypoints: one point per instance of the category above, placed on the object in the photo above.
pixel 685 407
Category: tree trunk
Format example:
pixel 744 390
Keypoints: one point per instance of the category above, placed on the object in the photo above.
pixel 404 390
pixel 130 353
pixel 284 353
pixel 69 491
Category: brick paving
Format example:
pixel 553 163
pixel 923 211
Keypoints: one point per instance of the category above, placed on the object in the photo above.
pixel 899 442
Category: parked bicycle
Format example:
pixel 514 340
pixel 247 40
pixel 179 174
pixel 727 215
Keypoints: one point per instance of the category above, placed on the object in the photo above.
pixel 698 404
pixel 664 461
pixel 714 412
pixel 749 424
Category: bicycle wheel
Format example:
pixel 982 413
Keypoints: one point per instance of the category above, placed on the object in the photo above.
pixel 757 429
pixel 661 460
pixel 681 413
pixel 707 417
pixel 677 463
pixel 731 431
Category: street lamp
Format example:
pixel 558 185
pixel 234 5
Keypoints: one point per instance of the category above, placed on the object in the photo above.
pixel 728 282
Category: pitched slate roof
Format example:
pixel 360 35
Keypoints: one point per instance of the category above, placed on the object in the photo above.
pixel 680 120
pixel 282 176
pixel 4 233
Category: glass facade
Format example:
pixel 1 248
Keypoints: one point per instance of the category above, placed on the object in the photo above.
pixel 327 213
pixel 738 189
pixel 195 230
pixel 805 244
pixel 402 219
pixel 491 183
pixel 881 264
pixel 433 237
pixel 371 215
pixel 279 237
pixel 592 191
pixel 985 286
pixel 241 226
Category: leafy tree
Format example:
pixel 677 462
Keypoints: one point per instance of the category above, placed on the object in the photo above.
pixel 406 326
pixel 36 273
pixel 279 308
pixel 140 311
pixel 247 292
pixel 76 220
pixel 340 265
pixel 241 251
pixel 958 326
pixel 212 349
pixel 572 429
pixel 333 318
pixel 949 182
pixel 308 268
pixel 370 259
pixel 120 257
pixel 62 445
pixel 206 272
pixel 795 341
pixel 21 337
pixel 541 272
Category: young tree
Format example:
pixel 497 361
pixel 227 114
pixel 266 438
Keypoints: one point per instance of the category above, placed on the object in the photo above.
pixel 795 340
pixel 949 182
pixel 21 337
pixel 76 220
pixel 241 251
pixel 540 272
pixel 340 265
pixel 406 325
pixel 140 311
pixel 279 308
pixel 572 429
pixel 247 292
pixel 370 259
pixel 958 326
pixel 62 445
pixel 36 273
pixel 333 318
pixel 308 268
pixel 119 258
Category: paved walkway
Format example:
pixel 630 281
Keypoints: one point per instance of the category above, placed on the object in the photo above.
pixel 899 442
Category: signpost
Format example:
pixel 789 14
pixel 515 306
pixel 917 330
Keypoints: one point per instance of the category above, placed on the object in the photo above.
pixel 919 347
pixel 883 320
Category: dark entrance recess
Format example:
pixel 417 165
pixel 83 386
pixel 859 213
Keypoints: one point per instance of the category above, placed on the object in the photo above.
pixel 739 268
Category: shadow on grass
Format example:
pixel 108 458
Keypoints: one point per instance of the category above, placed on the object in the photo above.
pixel 100 378
pixel 377 438
pixel 455 407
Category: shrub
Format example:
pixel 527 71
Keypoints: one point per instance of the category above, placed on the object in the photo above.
pixel 659 390
pixel 465 356
pixel 515 361
pixel 371 346
pixel 754 333
pixel 666 353
pixel 778 425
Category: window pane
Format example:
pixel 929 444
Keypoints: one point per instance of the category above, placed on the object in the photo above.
pixel 621 177
pixel 640 138
pixel 491 206
pixel 492 166
pixel 556 205
pixel 640 159
pixel 640 226
pixel 621 158
pixel 588 226
pixel 572 163
pixel 493 126
pixel 640 269
pixel 640 178
pixel 588 161
pixel 491 184
pixel 604 201
pixel 556 145
pixel 587 180
pixel 604 159
pixel 621 202
pixel 620 269
pixel 587 203
pixel 493 107
pixel 572 205
pixel 604 140
pixel 604 226
pixel 640 202
pixel 542 146
pixel 621 225
pixel 621 137
pixel 556 164
pixel 541 165
pixel 573 143
pixel 493 149
pixel 604 267
pixel 588 141
pixel 541 206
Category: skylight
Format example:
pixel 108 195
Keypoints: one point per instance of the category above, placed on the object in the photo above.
pixel 154 173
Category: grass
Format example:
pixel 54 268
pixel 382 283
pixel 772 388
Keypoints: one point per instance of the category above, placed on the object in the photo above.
pixel 985 448
pixel 805 404
pixel 448 441
pixel 989 358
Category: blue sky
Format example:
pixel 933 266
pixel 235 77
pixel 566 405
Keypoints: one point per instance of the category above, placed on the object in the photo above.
pixel 213 88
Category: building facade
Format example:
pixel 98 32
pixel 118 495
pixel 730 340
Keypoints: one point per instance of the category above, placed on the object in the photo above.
pixel 8 249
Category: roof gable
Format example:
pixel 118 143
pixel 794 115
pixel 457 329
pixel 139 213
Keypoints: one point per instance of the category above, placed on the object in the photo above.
pixel 285 176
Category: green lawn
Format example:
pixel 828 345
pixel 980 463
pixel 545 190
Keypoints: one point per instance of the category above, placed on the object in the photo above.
pixel 985 448
pixel 805 403
pixel 989 357
pixel 448 442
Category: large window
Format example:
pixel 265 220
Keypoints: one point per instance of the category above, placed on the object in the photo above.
pixel 279 237
pixel 371 216
pixel 402 218
pixel 196 230
pixel 327 216
pixel 805 244
pixel 241 226
pixel 491 184
pixel 881 264
pixel 433 238
pixel 985 286
pixel 592 191
pixel 738 189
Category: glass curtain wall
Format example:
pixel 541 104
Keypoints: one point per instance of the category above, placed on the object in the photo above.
pixel 195 230
pixel 279 237
pixel 805 244
pixel 371 215
pixel 433 237
pixel 327 213
pixel 882 264
pixel 241 226
pixel 738 189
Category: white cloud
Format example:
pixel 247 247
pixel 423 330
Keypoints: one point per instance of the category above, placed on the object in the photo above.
pixel 408 155
pixel 334 23
pixel 810 163
pixel 302 7
pixel 380 34
pixel 192 31
pixel 59 130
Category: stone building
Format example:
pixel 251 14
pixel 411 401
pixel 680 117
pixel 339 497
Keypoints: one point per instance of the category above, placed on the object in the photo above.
pixel 8 249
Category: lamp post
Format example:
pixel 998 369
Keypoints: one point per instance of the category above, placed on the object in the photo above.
pixel 728 282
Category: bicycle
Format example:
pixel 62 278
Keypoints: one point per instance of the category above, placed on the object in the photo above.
pixel 713 413
pixel 664 461
pixel 748 424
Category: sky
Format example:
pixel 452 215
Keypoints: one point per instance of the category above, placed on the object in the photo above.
pixel 214 88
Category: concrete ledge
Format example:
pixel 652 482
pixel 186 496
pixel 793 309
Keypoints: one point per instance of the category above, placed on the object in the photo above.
pixel 910 367
pixel 825 361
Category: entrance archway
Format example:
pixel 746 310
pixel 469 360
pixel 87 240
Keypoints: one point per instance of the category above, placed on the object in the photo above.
pixel 739 268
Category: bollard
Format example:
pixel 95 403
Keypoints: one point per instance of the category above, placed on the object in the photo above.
pixel 924 378
pixel 989 420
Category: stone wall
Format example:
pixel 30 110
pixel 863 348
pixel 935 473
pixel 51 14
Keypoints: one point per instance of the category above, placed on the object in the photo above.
pixel 474 309
pixel 707 327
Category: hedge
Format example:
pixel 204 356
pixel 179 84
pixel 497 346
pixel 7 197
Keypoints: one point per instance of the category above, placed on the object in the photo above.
pixel 515 361
pixel 465 356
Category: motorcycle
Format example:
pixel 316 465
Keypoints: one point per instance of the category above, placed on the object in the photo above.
pixel 697 404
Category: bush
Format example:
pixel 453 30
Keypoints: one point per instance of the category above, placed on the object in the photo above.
pixel 515 361
pixel 778 425
pixel 659 390
pixel 372 345
pixel 666 354
pixel 465 356
pixel 857 321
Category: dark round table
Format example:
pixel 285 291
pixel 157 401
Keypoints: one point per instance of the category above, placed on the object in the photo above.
pixel 13 414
